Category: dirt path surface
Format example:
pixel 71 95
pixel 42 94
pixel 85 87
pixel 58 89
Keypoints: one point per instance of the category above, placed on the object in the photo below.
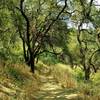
pixel 51 90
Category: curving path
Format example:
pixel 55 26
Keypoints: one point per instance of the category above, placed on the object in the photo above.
pixel 51 90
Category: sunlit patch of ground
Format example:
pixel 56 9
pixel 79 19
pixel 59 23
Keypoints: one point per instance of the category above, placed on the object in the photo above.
pixel 51 90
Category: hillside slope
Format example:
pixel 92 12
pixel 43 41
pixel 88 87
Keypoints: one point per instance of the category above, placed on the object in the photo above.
pixel 53 82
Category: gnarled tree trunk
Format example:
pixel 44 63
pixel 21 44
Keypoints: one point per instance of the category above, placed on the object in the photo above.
pixel 87 74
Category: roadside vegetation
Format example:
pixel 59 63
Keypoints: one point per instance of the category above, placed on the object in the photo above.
pixel 49 49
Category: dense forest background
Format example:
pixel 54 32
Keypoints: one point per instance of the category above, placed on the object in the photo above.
pixel 41 34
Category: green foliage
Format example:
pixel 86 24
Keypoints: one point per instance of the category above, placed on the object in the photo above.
pixel 89 89
pixel 79 74
pixel 60 37
pixel 96 78
pixel 92 87
pixel 86 88
pixel 10 56
pixel 48 58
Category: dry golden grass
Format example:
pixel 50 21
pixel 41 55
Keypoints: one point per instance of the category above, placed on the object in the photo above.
pixel 17 77
pixel 63 75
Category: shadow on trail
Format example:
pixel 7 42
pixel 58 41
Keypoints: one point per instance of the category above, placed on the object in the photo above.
pixel 59 94
pixel 51 90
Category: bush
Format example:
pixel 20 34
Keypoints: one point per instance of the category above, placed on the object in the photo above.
pixel 96 78
pixel 91 89
pixel 79 74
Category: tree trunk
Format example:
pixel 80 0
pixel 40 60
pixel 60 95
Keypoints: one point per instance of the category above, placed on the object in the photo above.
pixel 87 74
pixel 32 62
pixel 24 51
pixel 32 65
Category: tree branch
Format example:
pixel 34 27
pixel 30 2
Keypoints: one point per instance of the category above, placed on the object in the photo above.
pixel 90 59
pixel 48 28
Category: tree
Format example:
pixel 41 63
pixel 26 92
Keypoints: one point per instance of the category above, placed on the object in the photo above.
pixel 86 36
pixel 8 36
pixel 34 27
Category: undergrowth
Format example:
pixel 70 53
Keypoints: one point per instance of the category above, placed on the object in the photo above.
pixel 64 76
pixel 19 75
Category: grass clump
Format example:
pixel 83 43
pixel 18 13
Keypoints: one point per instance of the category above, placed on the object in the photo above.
pixel 18 77
pixel 64 75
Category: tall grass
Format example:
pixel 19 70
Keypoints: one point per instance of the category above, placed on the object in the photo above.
pixel 19 78
pixel 64 75
pixel 90 89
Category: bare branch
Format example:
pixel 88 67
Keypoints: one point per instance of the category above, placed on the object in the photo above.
pixel 26 19
pixel 48 28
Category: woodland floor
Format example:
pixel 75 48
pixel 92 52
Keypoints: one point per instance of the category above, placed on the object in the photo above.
pixel 51 90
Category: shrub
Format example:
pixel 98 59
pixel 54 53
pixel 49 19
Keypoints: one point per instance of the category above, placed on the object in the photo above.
pixel 79 75
pixel 48 58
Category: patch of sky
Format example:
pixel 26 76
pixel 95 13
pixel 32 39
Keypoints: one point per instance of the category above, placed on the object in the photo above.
pixel 69 22
pixel 96 3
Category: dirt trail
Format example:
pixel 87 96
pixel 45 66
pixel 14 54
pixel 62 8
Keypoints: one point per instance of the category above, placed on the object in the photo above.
pixel 51 90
